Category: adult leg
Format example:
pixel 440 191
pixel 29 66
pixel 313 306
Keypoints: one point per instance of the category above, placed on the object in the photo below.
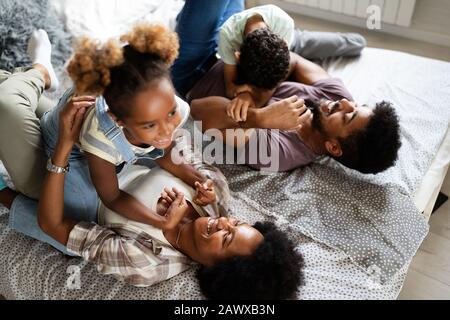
pixel 21 147
pixel 198 26
pixel 320 45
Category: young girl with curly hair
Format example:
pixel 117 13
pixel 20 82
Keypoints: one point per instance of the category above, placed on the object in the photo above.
pixel 133 121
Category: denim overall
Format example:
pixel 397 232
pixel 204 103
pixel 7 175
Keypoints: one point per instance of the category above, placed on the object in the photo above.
pixel 80 197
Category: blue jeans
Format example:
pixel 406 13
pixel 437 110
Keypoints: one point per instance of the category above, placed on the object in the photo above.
pixel 198 26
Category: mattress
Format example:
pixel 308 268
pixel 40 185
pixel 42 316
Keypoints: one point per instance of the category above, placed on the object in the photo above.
pixel 428 187
pixel 33 270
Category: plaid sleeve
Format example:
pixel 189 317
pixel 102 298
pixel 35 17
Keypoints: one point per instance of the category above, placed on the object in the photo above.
pixel 127 254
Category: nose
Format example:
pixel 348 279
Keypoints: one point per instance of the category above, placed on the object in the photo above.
pixel 165 130
pixel 224 224
pixel 346 106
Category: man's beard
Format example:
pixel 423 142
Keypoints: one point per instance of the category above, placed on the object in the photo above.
pixel 314 106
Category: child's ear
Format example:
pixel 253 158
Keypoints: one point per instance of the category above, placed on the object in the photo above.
pixel 116 120
pixel 237 55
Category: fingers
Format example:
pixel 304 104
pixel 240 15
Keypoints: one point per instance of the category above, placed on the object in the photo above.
pixel 208 186
pixel 83 98
pixel 73 107
pixel 292 99
pixel 78 121
pixel 304 118
pixel 232 108
pixel 179 200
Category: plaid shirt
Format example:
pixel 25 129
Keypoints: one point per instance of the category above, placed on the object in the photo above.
pixel 127 253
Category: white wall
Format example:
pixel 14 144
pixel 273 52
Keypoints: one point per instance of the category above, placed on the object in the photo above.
pixel 432 16
pixel 430 23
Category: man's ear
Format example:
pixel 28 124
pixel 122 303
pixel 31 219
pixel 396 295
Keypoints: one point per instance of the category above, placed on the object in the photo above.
pixel 334 148
pixel 116 120
pixel 237 55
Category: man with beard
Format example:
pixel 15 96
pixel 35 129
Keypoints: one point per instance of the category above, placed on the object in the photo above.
pixel 317 117
pixel 269 109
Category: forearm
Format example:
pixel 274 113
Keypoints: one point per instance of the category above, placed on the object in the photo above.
pixel 212 112
pixel 305 71
pixel 129 207
pixel 184 171
pixel 51 205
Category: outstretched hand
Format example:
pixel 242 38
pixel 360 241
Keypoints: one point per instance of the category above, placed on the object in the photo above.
pixel 173 206
pixel 205 193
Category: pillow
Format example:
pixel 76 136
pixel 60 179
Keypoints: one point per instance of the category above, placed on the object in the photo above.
pixel 18 18
pixel 104 19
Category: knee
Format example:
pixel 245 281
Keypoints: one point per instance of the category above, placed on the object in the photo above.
pixel 358 42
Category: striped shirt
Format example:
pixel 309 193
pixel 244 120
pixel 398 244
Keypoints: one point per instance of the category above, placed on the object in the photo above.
pixel 127 253
pixel 92 139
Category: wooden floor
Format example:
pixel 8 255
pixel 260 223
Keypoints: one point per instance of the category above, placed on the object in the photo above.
pixel 429 275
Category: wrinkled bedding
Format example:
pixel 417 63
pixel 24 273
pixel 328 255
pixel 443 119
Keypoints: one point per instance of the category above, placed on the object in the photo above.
pixel 357 233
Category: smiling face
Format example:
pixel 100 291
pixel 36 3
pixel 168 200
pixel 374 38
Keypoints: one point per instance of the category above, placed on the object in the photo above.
pixel 217 240
pixel 338 120
pixel 154 116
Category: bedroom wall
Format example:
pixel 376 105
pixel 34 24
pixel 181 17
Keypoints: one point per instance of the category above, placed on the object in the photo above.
pixel 430 22
pixel 432 16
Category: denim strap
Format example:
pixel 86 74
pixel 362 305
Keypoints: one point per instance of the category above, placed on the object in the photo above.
pixel 116 136
pixel 113 132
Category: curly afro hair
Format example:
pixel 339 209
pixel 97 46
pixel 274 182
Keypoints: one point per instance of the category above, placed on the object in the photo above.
pixel 264 60
pixel 119 72
pixel 272 272
pixel 374 149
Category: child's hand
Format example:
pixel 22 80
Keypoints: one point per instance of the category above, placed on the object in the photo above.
pixel 205 193
pixel 237 109
pixel 173 206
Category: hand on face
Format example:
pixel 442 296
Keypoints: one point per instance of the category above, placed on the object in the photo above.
pixel 71 119
pixel 173 206
pixel 286 114
pixel 205 193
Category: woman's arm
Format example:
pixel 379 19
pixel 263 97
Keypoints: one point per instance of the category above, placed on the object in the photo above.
pixel 51 205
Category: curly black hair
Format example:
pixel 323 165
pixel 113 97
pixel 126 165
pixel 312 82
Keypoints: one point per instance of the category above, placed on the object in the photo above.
pixel 375 148
pixel 264 60
pixel 273 272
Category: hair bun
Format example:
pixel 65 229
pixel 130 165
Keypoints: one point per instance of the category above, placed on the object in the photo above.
pixel 154 39
pixel 90 66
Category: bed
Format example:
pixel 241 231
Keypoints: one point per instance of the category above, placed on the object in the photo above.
pixel 358 234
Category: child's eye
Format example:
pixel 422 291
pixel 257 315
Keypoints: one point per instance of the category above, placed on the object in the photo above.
pixel 149 126
pixel 174 112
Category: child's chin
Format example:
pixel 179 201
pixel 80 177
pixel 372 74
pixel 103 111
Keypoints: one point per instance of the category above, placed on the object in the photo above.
pixel 162 144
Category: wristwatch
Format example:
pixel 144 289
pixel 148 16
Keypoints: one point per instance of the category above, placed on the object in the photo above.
pixel 55 169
